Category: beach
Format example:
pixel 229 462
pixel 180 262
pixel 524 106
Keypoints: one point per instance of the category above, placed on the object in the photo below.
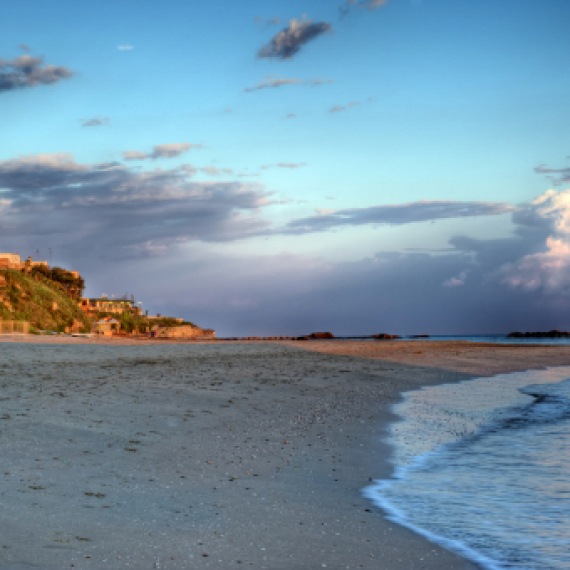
pixel 146 454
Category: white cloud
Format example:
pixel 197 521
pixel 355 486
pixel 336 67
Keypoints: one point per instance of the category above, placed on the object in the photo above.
pixel 457 281
pixel 547 270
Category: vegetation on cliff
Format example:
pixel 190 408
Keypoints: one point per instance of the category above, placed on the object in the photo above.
pixel 67 281
pixel 46 299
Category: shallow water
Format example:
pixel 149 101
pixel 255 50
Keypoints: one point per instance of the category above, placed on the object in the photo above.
pixel 481 467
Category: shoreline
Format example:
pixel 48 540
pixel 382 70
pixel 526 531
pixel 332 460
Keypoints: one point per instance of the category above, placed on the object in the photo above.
pixel 454 422
pixel 268 449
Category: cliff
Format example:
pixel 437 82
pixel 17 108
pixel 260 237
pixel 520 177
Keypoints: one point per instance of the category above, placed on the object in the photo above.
pixel 47 299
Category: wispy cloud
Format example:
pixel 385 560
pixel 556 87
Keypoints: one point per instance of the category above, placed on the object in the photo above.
pixel 274 82
pixel 349 105
pixel 275 21
pixel 216 171
pixel 125 47
pixel 289 165
pixel 28 71
pixel 397 214
pixel 340 108
pixel 365 4
pixel 171 150
pixel 289 41
pixel 557 175
pixel 96 122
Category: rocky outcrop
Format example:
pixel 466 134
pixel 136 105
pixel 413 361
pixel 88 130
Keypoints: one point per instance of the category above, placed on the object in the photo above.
pixel 182 332
pixel 385 336
pixel 540 334
pixel 317 336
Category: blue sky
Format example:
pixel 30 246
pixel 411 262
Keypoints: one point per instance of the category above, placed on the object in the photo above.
pixel 270 167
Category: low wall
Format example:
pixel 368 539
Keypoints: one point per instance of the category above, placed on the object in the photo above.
pixel 14 327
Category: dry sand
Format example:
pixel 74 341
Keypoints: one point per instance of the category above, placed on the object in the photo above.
pixel 136 454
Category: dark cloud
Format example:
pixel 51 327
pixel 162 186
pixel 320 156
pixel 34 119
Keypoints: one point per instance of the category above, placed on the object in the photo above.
pixel 403 293
pixel 171 150
pixel 29 71
pixel 107 219
pixel 396 214
pixel 289 41
pixel 477 286
pixel 96 122
pixel 113 211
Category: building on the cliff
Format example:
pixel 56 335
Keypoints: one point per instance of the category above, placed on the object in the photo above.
pixel 107 327
pixel 93 306
pixel 14 261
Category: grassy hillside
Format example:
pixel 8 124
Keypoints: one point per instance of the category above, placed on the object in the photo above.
pixel 43 299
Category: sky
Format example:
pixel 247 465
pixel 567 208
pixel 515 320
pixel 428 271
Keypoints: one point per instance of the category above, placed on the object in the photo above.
pixel 271 167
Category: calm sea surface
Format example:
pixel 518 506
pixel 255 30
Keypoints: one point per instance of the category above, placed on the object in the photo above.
pixel 483 468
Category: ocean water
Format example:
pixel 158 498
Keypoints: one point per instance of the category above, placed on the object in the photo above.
pixel 500 339
pixel 482 467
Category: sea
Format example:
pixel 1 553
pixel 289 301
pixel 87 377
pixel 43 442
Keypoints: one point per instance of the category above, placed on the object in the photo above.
pixel 500 339
pixel 482 467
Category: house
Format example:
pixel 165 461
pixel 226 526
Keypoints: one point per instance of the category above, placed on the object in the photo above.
pixel 14 261
pixel 10 261
pixel 93 306
pixel 107 327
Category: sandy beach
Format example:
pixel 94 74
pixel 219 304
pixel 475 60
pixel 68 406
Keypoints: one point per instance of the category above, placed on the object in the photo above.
pixel 142 454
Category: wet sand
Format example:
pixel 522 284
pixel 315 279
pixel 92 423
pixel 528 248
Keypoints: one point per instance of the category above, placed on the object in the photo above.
pixel 145 454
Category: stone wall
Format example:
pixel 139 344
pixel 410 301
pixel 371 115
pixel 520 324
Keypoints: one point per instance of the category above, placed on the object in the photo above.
pixel 14 327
